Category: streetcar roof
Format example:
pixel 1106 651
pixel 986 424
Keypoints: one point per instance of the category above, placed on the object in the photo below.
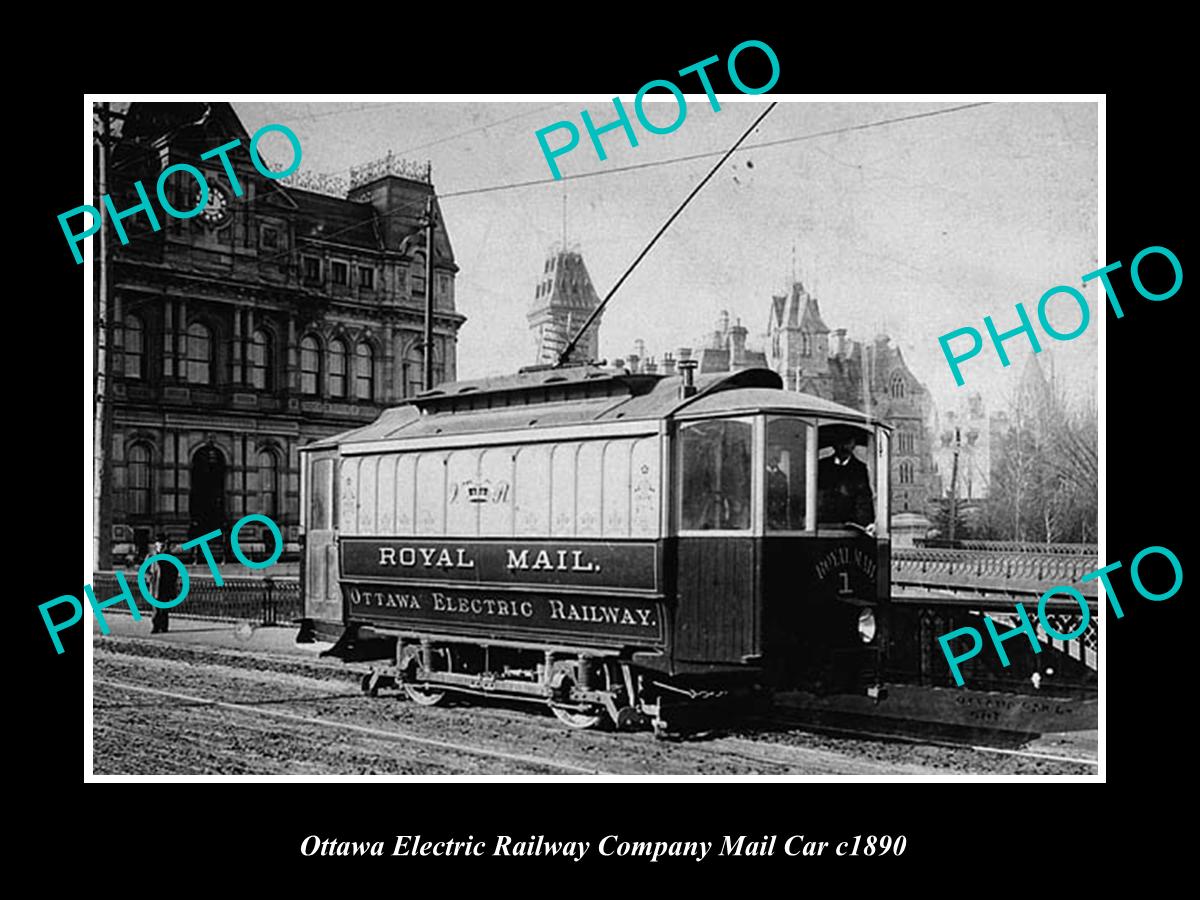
pixel 582 395
pixel 766 400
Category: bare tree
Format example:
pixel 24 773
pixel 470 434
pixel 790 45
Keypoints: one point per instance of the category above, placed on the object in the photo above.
pixel 1044 469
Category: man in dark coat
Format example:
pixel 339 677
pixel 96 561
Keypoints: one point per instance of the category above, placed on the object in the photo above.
pixel 778 491
pixel 163 581
pixel 845 486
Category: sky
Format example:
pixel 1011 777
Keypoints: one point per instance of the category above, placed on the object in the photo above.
pixel 910 229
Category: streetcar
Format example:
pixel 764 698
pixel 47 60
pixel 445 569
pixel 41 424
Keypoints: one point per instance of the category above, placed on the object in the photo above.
pixel 623 547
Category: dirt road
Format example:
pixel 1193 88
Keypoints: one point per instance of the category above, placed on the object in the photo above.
pixel 171 709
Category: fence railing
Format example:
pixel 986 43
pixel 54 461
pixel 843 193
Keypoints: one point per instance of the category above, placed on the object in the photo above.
pixel 1019 547
pixel 267 601
pixel 989 569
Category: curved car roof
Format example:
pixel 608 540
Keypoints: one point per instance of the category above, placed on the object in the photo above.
pixel 582 395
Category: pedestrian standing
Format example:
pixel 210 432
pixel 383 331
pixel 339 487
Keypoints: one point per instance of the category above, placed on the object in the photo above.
pixel 163 581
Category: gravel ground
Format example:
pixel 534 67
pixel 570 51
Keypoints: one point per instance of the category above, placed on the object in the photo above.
pixel 154 713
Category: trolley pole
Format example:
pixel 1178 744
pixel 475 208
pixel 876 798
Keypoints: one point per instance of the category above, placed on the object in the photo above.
pixel 428 338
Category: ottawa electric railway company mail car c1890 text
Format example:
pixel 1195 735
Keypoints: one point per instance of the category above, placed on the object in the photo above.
pixel 623 547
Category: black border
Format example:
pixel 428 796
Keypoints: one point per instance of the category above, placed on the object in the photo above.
pixel 1146 653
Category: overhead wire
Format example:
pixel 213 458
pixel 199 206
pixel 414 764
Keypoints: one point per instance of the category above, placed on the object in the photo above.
pixel 450 195
pixel 615 170
pixel 711 153
pixel 565 355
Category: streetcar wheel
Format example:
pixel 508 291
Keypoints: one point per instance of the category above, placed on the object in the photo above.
pixel 575 719
pixel 424 696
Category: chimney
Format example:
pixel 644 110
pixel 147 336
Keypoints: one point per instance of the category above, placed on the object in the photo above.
pixel 737 346
pixel 687 369
pixel 668 364
pixel 684 353
pixel 651 366
pixel 634 360
pixel 618 363
pixel 839 341
pixel 639 347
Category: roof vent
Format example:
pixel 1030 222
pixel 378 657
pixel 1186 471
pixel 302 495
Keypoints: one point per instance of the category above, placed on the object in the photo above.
pixel 687 368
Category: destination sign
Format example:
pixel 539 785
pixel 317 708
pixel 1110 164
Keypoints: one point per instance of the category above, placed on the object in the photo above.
pixel 605 564
pixel 854 572
pixel 477 610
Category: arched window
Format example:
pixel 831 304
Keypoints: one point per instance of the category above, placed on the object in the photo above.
pixel 261 361
pixel 337 368
pixel 897 387
pixel 268 484
pixel 138 480
pixel 364 372
pixel 310 365
pixel 135 353
pixel 418 273
pixel 199 354
pixel 413 371
pixel 805 344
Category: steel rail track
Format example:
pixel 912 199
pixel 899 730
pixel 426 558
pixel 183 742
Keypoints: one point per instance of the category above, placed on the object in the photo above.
pixel 359 729
pixel 795 722
pixel 931 741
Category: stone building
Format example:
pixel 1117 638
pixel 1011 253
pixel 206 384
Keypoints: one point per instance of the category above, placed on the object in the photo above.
pixel 288 313
pixel 812 358
pixel 724 348
pixel 971 431
pixel 563 299
pixel 868 375
pixel 721 350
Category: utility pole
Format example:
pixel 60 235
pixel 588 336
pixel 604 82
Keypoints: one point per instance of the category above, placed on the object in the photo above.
pixel 102 325
pixel 428 339
pixel 954 484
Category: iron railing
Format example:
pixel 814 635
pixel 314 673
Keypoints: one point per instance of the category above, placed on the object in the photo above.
pixel 1018 547
pixel 1003 572
pixel 267 601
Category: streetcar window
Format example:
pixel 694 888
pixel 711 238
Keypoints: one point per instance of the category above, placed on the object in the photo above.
pixel 883 455
pixel 786 481
pixel 846 475
pixel 716 473
pixel 319 490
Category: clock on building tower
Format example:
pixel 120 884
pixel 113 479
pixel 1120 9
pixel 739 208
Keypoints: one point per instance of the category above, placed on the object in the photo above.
pixel 217 210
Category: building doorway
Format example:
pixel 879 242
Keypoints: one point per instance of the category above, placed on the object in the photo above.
pixel 207 502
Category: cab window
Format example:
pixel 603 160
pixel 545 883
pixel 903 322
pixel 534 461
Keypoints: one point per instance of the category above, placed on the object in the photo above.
pixel 716 473
pixel 785 480
pixel 846 485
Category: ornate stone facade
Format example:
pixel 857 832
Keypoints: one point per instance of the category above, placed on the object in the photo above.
pixel 969 431
pixel 269 320
pixel 810 357
pixel 868 375
pixel 563 299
